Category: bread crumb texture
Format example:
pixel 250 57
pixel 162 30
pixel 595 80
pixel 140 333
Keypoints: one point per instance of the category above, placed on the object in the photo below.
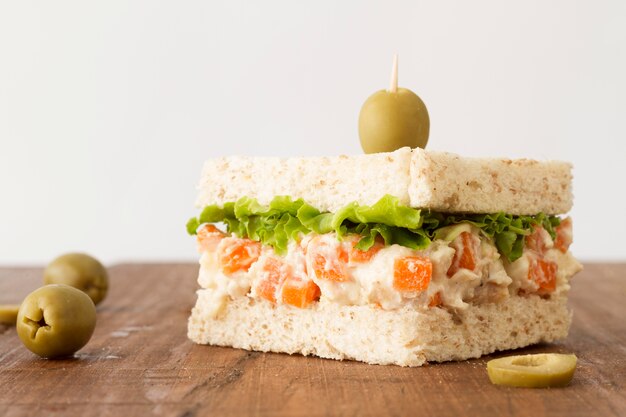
pixel 449 183
pixel 410 336
pixel 327 183
pixel 435 180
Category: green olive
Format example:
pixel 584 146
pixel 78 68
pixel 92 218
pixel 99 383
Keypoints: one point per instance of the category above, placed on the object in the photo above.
pixel 56 320
pixel 8 314
pixel 80 271
pixel 392 120
pixel 533 371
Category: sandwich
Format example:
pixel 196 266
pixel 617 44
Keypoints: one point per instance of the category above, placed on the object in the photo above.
pixel 401 258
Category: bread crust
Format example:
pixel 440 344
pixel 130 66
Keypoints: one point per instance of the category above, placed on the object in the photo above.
pixel 434 180
pixel 410 336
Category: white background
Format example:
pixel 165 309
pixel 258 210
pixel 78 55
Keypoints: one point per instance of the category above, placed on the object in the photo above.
pixel 108 109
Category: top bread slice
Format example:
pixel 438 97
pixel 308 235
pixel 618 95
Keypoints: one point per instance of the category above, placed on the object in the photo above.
pixel 438 181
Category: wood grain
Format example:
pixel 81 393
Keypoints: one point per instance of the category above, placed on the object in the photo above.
pixel 139 362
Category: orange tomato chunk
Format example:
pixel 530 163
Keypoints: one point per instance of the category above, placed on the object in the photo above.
pixel 464 246
pixel 209 237
pixel 543 273
pixel 300 293
pixel 563 235
pixel 235 254
pixel 412 273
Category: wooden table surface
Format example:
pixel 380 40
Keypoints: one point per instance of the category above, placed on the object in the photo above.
pixel 139 362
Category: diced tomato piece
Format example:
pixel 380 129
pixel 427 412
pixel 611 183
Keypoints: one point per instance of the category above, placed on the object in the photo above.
pixel 435 300
pixel 235 254
pixel 564 235
pixel 329 263
pixel 300 293
pixel 543 273
pixel 274 272
pixel 412 273
pixel 209 237
pixel 465 246
pixel 358 255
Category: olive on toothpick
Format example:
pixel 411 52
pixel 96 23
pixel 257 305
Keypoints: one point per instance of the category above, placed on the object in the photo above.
pixel 393 118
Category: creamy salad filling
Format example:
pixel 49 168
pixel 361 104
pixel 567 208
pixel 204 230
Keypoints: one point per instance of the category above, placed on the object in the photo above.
pixel 462 266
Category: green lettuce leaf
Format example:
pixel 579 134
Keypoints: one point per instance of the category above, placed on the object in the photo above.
pixel 507 230
pixel 285 219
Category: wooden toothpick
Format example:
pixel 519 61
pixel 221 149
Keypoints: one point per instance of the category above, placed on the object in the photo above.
pixel 393 83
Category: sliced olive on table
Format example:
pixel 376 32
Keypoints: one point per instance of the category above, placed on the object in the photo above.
pixel 8 313
pixel 56 320
pixel 533 371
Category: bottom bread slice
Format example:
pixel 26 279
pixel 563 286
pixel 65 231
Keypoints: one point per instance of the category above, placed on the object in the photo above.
pixel 409 336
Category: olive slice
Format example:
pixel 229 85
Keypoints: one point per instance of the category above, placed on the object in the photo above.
pixel 533 371
pixel 8 314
